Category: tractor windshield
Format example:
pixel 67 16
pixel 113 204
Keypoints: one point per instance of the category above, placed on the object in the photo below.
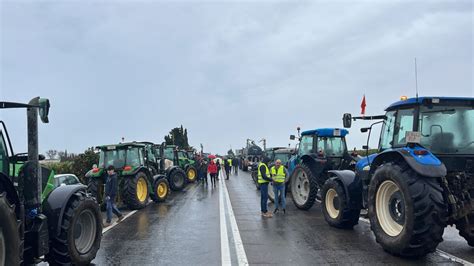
pixel 447 129
pixel 134 157
pixel 169 154
pixel 332 146
pixel 112 157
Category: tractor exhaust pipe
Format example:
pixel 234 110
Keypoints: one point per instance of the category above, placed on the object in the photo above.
pixel 34 178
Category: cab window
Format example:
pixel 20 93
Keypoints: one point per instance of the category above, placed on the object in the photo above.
pixel 404 123
pixel 306 145
pixel 388 127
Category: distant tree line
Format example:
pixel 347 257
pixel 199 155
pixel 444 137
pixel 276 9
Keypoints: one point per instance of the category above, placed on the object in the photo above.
pixel 178 136
pixel 72 163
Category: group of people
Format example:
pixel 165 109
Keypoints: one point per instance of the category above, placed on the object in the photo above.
pixel 213 169
pixel 277 176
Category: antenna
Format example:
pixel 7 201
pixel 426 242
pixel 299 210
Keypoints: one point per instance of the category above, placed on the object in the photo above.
pixel 416 80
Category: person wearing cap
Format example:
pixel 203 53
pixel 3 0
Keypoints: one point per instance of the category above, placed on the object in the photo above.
pixel 279 174
pixel 110 193
pixel 263 180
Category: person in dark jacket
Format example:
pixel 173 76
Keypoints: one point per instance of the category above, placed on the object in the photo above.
pixel 218 164
pixel 264 179
pixel 235 165
pixel 203 170
pixel 110 194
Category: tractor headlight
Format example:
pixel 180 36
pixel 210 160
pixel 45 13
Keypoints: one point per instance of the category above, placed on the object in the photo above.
pixel 366 168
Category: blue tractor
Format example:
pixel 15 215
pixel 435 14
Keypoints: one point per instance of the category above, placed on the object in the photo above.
pixel 420 180
pixel 319 151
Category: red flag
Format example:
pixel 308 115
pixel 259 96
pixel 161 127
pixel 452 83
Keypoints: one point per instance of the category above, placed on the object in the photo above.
pixel 362 106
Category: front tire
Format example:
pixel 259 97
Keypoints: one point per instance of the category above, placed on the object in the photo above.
pixel 466 229
pixel 303 187
pixel 407 211
pixel 160 190
pixel 177 179
pixel 135 191
pixel 10 243
pixel 191 174
pixel 335 206
pixel 81 232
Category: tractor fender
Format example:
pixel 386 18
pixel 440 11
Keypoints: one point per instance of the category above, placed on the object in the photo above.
pixel 136 170
pixel 55 205
pixel 12 195
pixel 352 186
pixel 156 177
pixel 427 165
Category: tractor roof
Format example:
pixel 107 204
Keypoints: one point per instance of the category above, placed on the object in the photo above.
pixel 326 132
pixel 429 100
pixel 121 145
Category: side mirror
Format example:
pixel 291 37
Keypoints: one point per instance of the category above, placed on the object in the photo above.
pixel 44 109
pixel 364 129
pixel 347 120
pixel 292 137
pixel 365 147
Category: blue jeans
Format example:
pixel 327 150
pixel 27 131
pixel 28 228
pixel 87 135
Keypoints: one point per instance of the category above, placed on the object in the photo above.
pixel 279 188
pixel 263 197
pixel 112 208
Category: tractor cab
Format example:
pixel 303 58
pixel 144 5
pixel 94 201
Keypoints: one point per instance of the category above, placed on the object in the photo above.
pixel 325 147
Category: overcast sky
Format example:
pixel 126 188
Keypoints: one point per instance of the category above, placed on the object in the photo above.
pixel 227 71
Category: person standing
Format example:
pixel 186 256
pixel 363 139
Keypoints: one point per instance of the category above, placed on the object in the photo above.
pixel 235 165
pixel 279 174
pixel 218 164
pixel 227 166
pixel 203 170
pixel 263 180
pixel 110 193
pixel 212 170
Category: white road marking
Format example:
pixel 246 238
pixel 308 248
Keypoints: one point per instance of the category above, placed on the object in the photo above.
pixel 225 251
pixel 239 246
pixel 115 223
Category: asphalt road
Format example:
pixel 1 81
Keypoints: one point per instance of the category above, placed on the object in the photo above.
pixel 212 226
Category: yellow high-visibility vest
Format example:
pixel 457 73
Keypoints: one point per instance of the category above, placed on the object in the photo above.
pixel 229 161
pixel 267 172
pixel 278 174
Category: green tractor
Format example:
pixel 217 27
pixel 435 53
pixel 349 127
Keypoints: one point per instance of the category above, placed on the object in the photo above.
pixel 176 175
pixel 40 221
pixel 180 158
pixel 137 173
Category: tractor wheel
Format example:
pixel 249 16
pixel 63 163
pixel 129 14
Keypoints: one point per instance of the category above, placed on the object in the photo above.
pixel 334 206
pixel 191 174
pixel 407 211
pixel 10 242
pixel 271 193
pixel 255 179
pixel 81 232
pixel 160 190
pixel 135 191
pixel 303 187
pixel 94 186
pixel 177 179
pixel 466 229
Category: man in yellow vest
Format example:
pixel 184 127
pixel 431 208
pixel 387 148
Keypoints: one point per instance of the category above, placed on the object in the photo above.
pixel 279 174
pixel 263 180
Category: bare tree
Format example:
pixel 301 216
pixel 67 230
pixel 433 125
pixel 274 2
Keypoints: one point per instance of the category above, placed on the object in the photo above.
pixel 51 154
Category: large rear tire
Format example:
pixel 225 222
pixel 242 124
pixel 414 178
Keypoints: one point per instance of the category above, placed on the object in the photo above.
pixel 81 232
pixel 335 208
pixel 303 187
pixel 191 174
pixel 407 211
pixel 161 190
pixel 466 229
pixel 135 191
pixel 177 179
pixel 10 242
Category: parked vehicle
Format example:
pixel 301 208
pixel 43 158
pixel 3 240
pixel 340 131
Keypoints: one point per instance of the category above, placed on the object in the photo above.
pixel 39 219
pixel 66 179
pixel 180 158
pixel 169 167
pixel 284 155
pixel 420 181
pixel 319 152
pixel 137 174
pixel 251 156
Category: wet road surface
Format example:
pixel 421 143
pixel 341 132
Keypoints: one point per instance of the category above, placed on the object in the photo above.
pixel 188 229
